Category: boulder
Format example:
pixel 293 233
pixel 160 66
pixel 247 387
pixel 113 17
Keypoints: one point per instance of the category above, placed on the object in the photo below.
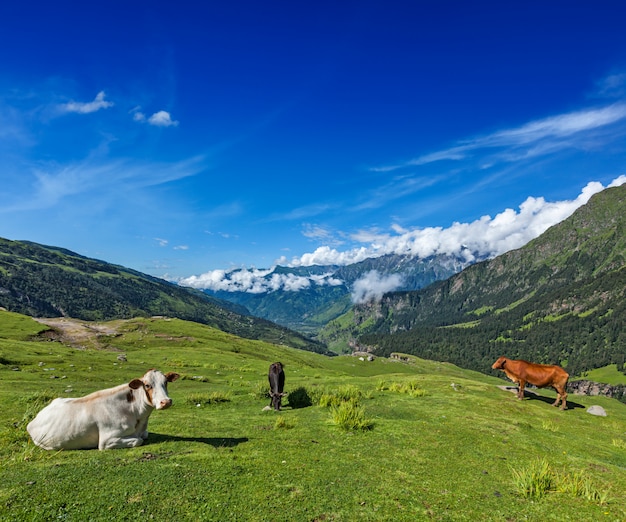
pixel 596 410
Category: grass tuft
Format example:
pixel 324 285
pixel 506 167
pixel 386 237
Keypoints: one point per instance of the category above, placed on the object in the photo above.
pixel 350 416
pixel 281 423
pixel 344 393
pixel 411 388
pixel 207 398
pixel 198 378
pixel 579 485
pixel 619 443
pixel 533 481
pixel 261 391
pixel 539 478
pixel 549 426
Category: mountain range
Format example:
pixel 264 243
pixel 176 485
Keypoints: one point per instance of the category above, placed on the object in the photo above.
pixel 330 291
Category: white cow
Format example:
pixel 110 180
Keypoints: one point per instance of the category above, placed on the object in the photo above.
pixel 112 418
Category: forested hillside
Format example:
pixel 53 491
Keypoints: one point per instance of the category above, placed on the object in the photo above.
pixel 43 281
pixel 559 299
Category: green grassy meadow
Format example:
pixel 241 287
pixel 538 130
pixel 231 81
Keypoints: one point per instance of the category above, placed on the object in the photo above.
pixel 453 451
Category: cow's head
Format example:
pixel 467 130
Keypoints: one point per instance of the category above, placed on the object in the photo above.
pixel 499 364
pixel 154 384
pixel 277 399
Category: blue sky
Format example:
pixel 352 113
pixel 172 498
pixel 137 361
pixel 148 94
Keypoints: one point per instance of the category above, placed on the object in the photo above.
pixel 184 139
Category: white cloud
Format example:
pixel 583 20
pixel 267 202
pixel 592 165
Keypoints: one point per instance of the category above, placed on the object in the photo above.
pixel 325 255
pixel 617 182
pixel 162 119
pixel 373 285
pixel 87 107
pixel 158 119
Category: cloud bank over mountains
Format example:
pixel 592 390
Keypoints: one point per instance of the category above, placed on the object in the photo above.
pixel 256 281
pixel 485 237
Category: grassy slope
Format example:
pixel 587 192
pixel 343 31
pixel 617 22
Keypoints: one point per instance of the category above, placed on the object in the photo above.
pixel 444 456
pixel 45 281
pixel 608 375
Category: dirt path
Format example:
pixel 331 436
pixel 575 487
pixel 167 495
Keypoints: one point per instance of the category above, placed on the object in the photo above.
pixel 80 334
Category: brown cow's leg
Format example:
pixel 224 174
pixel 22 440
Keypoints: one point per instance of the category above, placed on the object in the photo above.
pixel 561 397
pixel 520 389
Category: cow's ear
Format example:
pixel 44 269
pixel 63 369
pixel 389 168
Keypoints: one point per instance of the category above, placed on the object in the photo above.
pixel 135 384
pixel 171 376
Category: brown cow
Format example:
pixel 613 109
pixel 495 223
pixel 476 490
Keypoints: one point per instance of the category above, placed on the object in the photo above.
pixel 541 375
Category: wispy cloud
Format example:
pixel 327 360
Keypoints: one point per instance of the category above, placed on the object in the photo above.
pixel 87 107
pixel 399 187
pixel 165 243
pixel 531 139
pixel 307 211
pixel 612 86
pixel 554 127
pixel 52 183
pixel 322 234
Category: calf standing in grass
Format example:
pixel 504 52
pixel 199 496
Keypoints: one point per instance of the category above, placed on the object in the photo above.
pixel 112 418
pixel 541 375
pixel 276 378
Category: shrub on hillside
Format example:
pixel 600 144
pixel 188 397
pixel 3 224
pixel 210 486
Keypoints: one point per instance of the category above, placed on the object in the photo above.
pixel 299 398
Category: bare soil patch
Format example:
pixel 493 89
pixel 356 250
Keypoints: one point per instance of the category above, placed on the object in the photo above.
pixel 80 334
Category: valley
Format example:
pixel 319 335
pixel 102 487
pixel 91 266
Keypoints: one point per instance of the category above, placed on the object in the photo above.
pixel 441 442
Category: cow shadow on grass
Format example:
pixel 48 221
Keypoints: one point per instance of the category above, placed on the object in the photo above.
pixel 534 396
pixel 216 442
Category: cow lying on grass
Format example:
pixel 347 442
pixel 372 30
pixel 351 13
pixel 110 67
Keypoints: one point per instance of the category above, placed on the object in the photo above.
pixel 106 419
pixel 541 375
